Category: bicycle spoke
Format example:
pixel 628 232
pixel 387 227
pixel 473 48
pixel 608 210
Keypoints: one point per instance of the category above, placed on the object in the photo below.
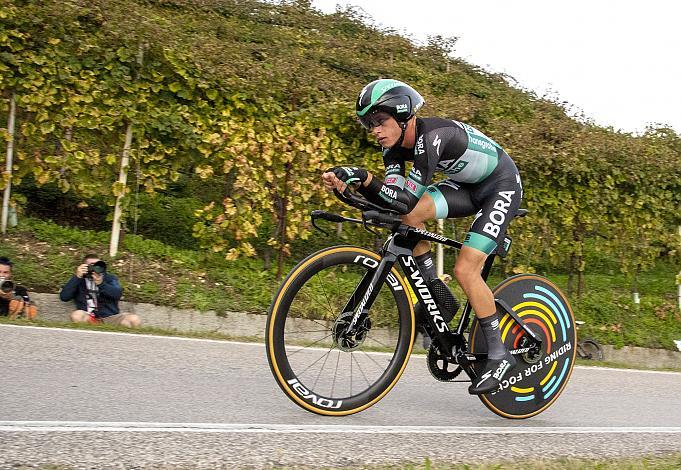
pixel 360 370
pixel 309 345
pixel 307 301
pixel 322 368
pixel 316 361
pixel 374 360
pixel 333 385
pixel 326 296
pixel 380 342
pixel 315 321
pixel 306 331
pixel 350 373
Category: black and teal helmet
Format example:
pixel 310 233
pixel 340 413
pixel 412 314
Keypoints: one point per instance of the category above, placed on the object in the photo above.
pixel 390 96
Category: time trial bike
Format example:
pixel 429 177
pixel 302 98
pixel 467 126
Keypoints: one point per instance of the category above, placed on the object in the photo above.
pixel 341 328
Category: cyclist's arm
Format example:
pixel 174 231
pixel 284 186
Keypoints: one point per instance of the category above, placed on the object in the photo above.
pixel 396 192
pixel 390 192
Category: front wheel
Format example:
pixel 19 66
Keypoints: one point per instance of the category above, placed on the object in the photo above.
pixel 318 366
pixel 540 375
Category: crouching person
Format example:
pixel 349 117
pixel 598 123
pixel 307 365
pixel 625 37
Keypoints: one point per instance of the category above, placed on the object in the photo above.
pixel 14 299
pixel 95 293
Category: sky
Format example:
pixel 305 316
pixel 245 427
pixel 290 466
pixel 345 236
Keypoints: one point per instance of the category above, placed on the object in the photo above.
pixel 616 62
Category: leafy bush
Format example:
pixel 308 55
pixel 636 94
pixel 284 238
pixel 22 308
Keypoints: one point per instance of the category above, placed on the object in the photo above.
pixel 168 219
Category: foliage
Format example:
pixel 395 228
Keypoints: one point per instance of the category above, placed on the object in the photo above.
pixel 166 219
pixel 254 99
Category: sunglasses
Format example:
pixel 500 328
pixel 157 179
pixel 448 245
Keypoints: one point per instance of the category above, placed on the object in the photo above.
pixel 374 119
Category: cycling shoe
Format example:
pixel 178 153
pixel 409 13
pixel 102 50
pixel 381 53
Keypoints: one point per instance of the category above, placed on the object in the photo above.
pixel 494 372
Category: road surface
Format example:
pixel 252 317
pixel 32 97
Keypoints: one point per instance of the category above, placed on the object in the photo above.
pixel 109 400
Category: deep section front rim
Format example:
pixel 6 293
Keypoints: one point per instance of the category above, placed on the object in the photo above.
pixel 307 361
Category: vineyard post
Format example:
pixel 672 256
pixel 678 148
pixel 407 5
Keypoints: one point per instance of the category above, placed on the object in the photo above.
pixel 8 168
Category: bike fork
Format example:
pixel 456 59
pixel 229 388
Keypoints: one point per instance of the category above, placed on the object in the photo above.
pixel 369 288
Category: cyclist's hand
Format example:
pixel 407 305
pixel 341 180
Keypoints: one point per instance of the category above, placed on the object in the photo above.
pixel 350 174
pixel 330 181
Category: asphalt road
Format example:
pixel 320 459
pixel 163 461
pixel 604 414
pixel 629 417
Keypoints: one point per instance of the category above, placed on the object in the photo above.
pixel 92 399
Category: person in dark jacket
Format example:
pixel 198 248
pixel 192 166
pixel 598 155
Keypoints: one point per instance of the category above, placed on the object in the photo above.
pixel 95 293
pixel 14 299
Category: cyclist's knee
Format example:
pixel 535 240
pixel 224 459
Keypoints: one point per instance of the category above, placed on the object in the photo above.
pixel 463 274
pixel 468 265
pixel 424 210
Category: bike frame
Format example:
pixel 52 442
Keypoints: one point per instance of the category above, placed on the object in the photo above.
pixel 398 248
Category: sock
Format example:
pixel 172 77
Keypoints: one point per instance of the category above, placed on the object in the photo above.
pixel 490 328
pixel 426 266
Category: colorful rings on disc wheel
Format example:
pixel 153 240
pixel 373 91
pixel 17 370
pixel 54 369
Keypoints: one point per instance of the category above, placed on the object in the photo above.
pixel 539 376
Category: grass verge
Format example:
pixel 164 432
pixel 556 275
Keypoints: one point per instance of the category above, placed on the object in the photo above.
pixel 46 254
pixel 653 462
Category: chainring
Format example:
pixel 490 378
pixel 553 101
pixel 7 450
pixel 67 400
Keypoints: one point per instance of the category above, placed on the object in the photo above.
pixel 441 367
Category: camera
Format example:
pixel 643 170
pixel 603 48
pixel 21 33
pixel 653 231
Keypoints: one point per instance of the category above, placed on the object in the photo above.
pixel 99 267
pixel 6 286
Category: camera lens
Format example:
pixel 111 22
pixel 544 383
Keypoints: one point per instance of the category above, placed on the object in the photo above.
pixel 7 286
pixel 99 267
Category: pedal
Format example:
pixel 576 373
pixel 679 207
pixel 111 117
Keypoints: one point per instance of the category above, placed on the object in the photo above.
pixel 448 304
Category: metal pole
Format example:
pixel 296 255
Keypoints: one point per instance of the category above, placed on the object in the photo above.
pixel 8 167
pixel 678 281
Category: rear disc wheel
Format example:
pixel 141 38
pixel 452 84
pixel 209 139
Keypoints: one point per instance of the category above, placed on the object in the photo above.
pixel 540 375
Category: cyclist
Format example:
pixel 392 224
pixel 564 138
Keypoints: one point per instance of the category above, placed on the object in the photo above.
pixel 481 179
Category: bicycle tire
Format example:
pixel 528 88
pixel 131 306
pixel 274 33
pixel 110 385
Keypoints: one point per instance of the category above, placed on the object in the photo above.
pixel 293 348
pixel 593 350
pixel 534 383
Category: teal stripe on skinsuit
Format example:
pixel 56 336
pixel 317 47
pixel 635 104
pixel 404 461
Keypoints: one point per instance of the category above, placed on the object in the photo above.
pixel 441 206
pixel 480 242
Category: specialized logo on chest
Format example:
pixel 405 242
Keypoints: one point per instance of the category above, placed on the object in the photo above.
pixel 419 149
pixel 498 216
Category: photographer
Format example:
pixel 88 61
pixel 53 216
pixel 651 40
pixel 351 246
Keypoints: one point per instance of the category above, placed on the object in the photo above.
pixel 96 293
pixel 14 300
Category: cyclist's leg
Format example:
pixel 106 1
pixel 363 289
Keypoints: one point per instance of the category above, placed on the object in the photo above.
pixel 499 199
pixel 442 200
pixel 424 211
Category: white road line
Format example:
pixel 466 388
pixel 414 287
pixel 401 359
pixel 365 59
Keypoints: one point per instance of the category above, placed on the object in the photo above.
pixel 84 426
pixel 262 345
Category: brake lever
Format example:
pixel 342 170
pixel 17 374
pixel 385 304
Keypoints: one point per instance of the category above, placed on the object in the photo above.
pixel 366 225
pixel 314 216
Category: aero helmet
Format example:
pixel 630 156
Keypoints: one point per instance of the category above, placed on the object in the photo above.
pixel 390 96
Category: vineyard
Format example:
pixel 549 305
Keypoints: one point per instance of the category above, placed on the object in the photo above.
pixel 240 104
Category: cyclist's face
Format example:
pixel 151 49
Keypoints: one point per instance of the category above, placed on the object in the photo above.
pixel 386 129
